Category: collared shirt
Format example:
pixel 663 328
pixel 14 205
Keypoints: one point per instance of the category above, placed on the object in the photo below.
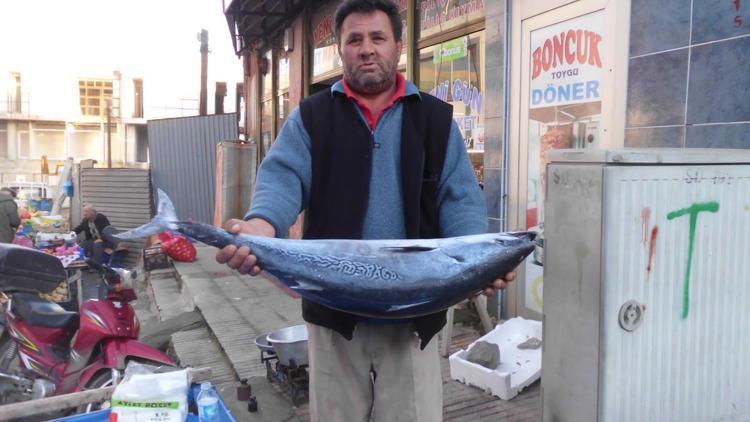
pixel 94 232
pixel 398 94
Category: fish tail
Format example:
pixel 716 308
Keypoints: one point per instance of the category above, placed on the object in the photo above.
pixel 164 220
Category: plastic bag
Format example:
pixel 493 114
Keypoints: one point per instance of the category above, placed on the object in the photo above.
pixel 179 248
pixel 145 396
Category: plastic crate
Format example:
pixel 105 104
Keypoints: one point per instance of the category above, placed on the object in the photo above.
pixel 154 258
pixel 225 415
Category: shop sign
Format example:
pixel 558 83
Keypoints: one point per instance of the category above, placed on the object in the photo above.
pixel 566 62
pixel 451 50
pixel 437 16
pixel 325 51
pixel 460 90
pixel 323 25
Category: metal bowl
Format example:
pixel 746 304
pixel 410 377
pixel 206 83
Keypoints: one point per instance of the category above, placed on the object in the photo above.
pixel 262 342
pixel 290 344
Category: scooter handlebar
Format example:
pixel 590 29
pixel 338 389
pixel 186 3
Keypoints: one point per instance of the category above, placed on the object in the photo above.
pixel 95 265
pixel 110 275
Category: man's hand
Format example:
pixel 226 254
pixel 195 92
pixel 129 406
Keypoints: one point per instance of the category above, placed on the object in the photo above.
pixel 499 284
pixel 242 259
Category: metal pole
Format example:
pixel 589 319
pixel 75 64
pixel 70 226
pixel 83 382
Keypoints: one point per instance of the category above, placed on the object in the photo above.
pixel 412 68
pixel 109 135
pixel 203 105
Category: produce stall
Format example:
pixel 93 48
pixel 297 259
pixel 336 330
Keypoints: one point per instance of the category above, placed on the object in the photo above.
pixel 51 234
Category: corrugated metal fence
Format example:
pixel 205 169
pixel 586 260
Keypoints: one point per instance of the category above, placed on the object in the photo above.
pixel 182 153
pixel 123 195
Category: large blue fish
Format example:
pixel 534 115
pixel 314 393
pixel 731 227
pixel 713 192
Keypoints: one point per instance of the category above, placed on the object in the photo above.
pixel 373 278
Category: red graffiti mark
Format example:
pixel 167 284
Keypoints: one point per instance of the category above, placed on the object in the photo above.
pixel 738 18
pixel 652 248
pixel 645 216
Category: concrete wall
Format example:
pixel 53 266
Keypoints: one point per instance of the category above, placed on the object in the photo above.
pixel 27 170
pixel 688 74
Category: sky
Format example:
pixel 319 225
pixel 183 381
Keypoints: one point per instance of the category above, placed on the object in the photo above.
pixel 54 42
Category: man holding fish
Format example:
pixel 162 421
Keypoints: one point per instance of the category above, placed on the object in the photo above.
pixel 371 158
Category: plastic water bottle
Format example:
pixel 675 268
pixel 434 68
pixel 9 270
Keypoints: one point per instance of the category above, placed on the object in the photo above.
pixel 208 404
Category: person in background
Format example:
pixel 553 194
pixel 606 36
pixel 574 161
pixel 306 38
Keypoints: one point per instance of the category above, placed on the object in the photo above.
pixel 9 220
pixel 370 158
pixel 95 234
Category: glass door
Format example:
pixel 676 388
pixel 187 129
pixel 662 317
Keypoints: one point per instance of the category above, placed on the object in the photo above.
pixel 563 95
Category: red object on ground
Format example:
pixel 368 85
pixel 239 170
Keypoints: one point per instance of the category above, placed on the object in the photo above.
pixel 179 248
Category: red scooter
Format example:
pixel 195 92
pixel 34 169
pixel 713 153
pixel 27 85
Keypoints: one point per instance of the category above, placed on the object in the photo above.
pixel 46 350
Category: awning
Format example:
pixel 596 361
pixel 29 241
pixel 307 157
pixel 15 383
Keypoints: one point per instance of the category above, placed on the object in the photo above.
pixel 254 23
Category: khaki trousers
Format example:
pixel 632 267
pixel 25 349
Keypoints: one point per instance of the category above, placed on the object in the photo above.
pixel 380 375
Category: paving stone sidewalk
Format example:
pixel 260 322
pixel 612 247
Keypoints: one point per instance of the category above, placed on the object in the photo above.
pixel 238 308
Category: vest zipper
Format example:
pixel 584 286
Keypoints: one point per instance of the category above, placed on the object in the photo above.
pixel 371 131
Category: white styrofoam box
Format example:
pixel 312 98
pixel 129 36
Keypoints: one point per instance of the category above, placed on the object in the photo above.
pixel 518 368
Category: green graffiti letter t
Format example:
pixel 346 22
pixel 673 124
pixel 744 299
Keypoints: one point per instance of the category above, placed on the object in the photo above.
pixel 693 211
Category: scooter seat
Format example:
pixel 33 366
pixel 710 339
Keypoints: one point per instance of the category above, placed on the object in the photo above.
pixel 42 313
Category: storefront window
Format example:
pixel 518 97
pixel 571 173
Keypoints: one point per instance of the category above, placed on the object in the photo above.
pixel 283 73
pixel 437 16
pixel 267 81
pixel 402 6
pixel 266 109
pixel 283 109
pixel 266 124
pixel 283 97
pixel 454 72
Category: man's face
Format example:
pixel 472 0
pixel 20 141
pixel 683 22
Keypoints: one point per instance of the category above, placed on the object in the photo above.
pixel 89 214
pixel 369 51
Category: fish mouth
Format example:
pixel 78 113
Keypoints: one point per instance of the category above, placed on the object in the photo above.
pixel 530 236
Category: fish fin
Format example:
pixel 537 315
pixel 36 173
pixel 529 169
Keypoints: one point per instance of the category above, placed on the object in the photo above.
pixel 407 249
pixel 396 308
pixel 165 209
pixel 163 221
pixel 307 286
pixel 276 282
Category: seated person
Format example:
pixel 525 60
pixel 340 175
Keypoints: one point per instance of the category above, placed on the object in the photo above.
pixel 95 234
pixel 9 220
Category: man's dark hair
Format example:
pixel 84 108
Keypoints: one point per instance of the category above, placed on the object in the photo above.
pixel 368 6
pixel 9 191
